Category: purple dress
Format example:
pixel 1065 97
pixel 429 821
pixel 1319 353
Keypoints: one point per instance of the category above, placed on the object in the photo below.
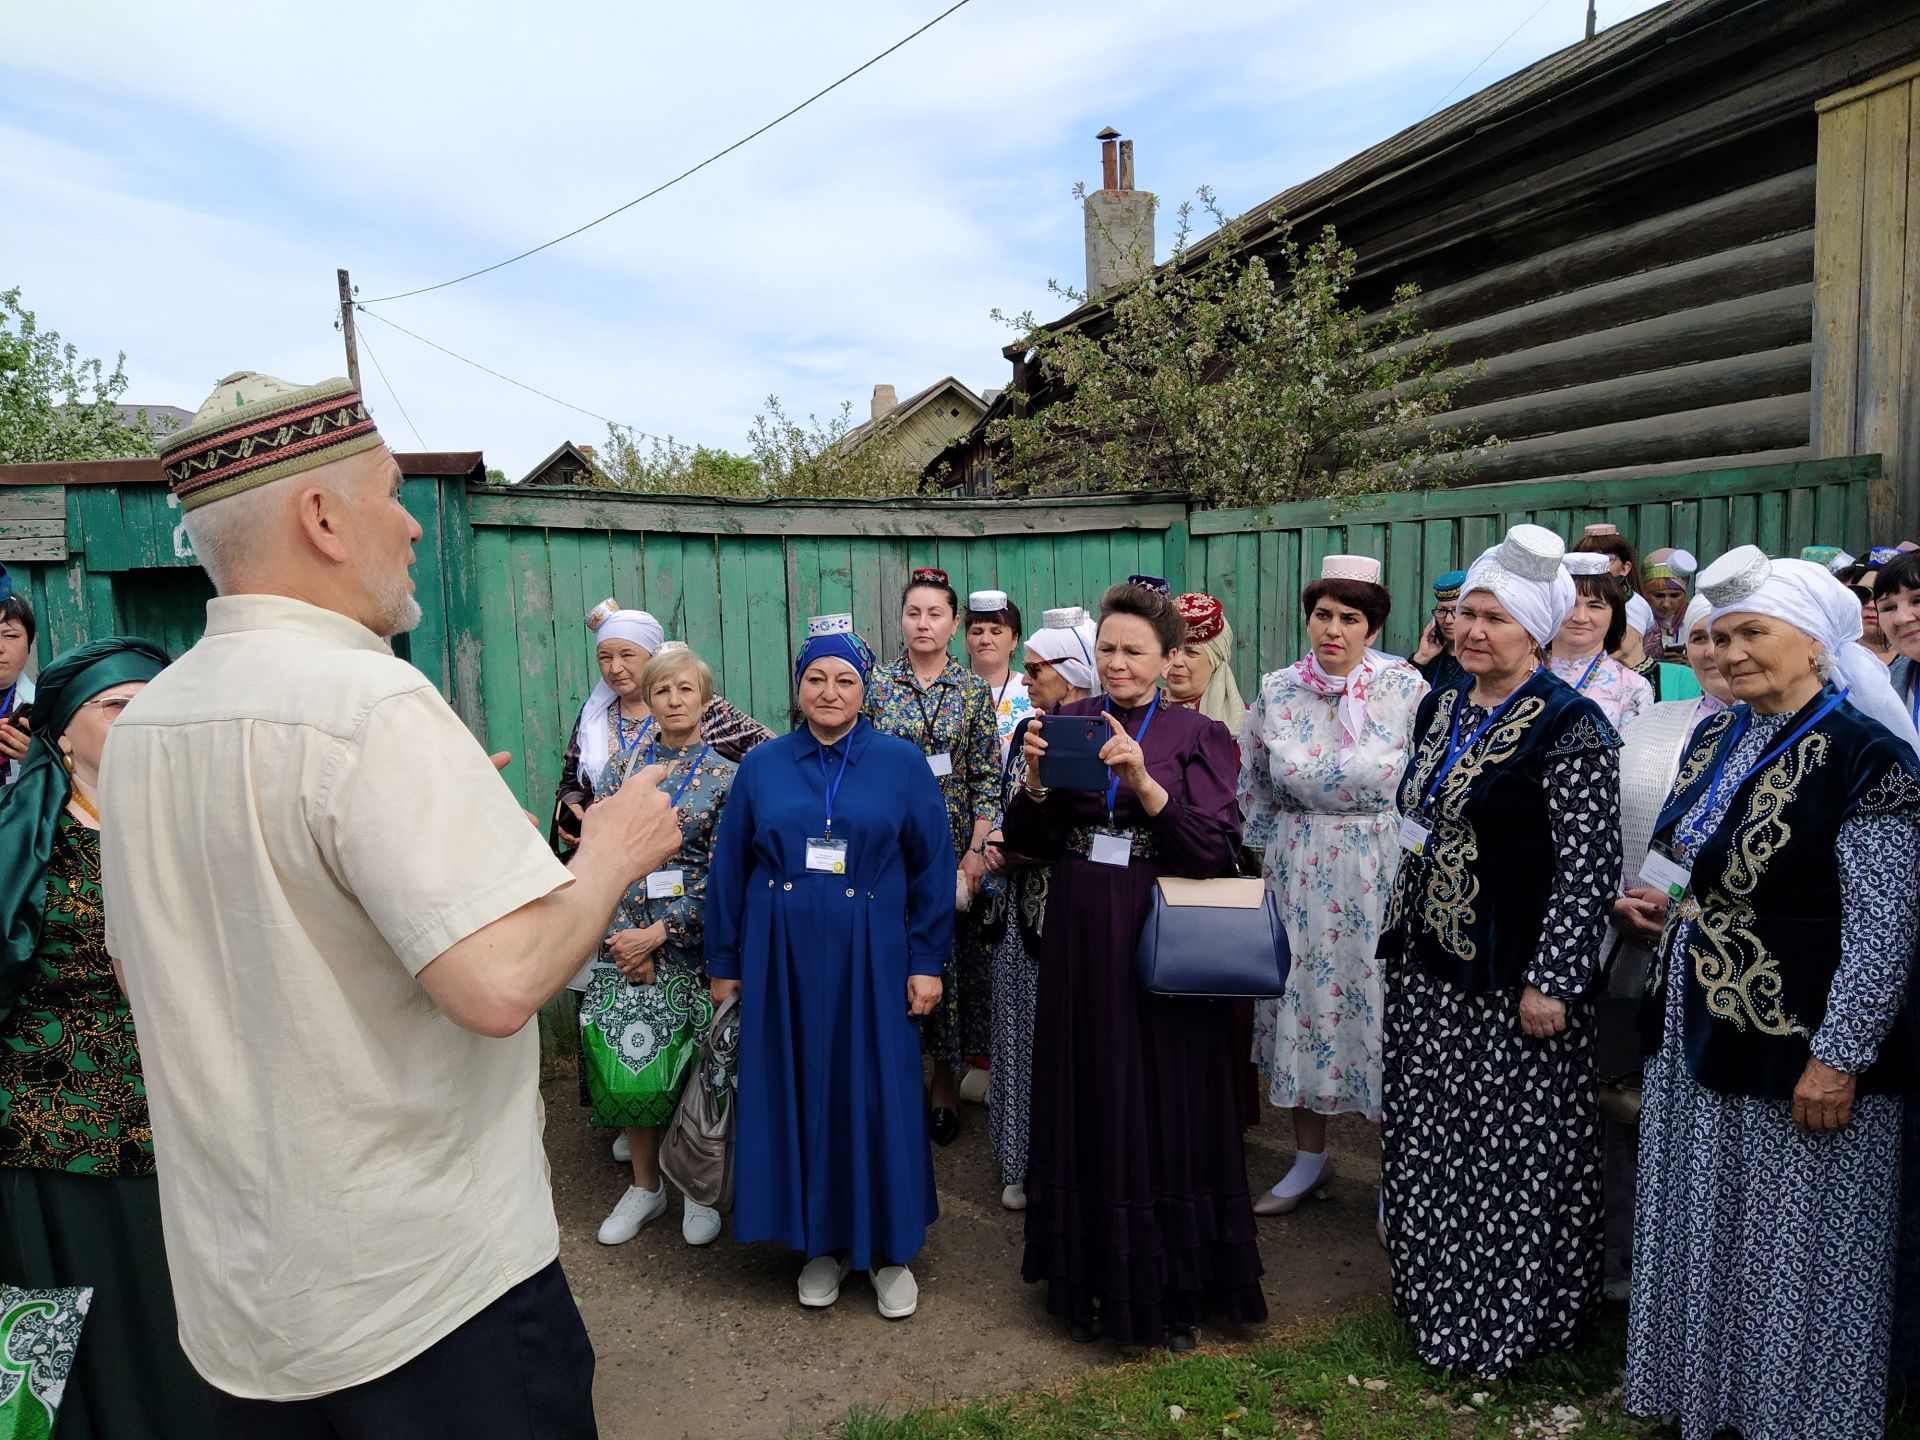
pixel 1137 1198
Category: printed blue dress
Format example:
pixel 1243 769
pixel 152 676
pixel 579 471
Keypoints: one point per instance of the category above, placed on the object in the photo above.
pixel 832 1148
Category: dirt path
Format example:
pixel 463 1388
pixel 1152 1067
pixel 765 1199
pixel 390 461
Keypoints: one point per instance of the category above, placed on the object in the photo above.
pixel 701 1344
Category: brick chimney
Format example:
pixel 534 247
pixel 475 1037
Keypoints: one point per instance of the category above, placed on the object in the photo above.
pixel 885 400
pixel 1119 221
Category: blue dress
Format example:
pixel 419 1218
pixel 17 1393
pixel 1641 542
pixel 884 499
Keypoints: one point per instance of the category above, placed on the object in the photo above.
pixel 831 1146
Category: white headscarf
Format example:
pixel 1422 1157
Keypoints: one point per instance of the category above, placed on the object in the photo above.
pixel 608 622
pixel 1066 641
pixel 1698 608
pixel 1808 597
pixel 1527 574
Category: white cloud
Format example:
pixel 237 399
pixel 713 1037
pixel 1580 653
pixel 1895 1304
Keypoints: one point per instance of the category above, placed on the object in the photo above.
pixel 181 186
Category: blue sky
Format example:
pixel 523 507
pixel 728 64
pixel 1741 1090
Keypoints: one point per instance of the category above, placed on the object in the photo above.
pixel 180 182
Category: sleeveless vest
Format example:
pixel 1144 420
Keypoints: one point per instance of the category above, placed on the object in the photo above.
pixel 1764 945
pixel 1470 909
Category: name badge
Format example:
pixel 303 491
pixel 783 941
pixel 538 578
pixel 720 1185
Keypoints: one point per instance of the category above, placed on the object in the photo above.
pixel 827 857
pixel 1666 875
pixel 1414 835
pixel 1112 847
pixel 941 765
pixel 666 885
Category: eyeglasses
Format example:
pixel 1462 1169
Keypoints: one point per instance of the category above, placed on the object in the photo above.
pixel 1036 668
pixel 110 705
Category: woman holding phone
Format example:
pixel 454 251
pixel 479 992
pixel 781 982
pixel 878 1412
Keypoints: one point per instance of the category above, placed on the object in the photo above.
pixel 1138 1215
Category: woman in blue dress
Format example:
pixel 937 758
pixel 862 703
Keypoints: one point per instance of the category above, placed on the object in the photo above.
pixel 830 914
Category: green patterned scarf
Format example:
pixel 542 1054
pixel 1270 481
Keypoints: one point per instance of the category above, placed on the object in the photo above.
pixel 30 807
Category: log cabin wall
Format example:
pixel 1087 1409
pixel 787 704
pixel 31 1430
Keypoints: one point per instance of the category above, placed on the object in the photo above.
pixel 1620 240
pixel 1866 306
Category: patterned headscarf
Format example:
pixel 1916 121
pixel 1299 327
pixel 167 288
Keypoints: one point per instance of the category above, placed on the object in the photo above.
pixel 832 637
pixel 30 807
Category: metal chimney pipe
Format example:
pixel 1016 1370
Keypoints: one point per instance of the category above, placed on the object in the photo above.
pixel 1126 164
pixel 1109 166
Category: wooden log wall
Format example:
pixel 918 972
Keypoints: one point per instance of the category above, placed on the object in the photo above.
pixel 1866 312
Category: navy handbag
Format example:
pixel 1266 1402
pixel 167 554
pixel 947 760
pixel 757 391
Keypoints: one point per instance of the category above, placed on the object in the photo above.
pixel 1213 939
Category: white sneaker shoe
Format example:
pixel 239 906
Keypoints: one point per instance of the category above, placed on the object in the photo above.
pixel 820 1280
pixel 699 1224
pixel 635 1209
pixel 898 1292
pixel 622 1150
pixel 975 1086
pixel 1014 1197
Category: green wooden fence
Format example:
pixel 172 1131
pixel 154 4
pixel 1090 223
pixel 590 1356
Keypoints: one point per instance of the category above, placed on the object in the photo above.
pixel 505 576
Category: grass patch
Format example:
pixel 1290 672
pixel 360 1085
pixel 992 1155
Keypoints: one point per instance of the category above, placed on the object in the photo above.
pixel 1353 1378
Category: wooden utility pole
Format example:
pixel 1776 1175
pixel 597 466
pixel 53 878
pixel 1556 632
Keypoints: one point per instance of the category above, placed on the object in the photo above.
pixel 346 327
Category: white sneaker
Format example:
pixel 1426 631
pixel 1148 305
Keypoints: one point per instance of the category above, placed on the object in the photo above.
pixel 898 1292
pixel 699 1224
pixel 635 1209
pixel 975 1086
pixel 622 1150
pixel 820 1280
pixel 1014 1197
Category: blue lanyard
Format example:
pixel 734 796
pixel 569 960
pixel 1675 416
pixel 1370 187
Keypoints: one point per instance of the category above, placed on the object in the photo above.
pixel 1456 747
pixel 6 706
pixel 833 788
pixel 675 801
pixel 1694 835
pixel 620 732
pixel 1913 698
pixel 1592 665
pixel 1113 785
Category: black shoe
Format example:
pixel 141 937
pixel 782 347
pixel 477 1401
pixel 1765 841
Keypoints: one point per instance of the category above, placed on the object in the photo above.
pixel 1086 1331
pixel 1180 1338
pixel 943 1124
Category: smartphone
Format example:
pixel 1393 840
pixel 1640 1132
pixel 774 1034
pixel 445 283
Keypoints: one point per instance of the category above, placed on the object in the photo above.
pixel 1072 757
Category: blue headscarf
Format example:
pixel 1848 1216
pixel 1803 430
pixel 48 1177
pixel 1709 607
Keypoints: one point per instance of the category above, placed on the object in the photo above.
pixel 845 646
pixel 30 807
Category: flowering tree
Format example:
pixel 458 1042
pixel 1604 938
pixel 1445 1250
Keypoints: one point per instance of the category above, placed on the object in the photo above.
pixel 1235 381
pixel 53 404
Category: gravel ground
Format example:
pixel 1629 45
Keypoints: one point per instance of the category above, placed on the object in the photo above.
pixel 695 1344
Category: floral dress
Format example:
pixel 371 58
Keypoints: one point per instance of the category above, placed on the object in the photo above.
pixel 642 1025
pixel 954 718
pixel 1620 693
pixel 1320 812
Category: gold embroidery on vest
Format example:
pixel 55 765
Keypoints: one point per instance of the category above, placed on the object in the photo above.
pixel 1764 833
pixel 1749 993
pixel 1696 764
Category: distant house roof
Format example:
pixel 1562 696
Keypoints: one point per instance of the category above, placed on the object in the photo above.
pixel 913 405
pixel 570 464
pixel 130 415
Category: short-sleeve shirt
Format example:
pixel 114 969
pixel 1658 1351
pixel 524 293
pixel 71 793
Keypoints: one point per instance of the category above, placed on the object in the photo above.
pixel 295 824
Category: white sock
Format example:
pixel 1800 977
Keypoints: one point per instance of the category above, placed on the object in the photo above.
pixel 1305 1174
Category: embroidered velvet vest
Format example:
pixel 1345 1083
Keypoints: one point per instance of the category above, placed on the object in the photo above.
pixel 1764 945
pixel 1469 910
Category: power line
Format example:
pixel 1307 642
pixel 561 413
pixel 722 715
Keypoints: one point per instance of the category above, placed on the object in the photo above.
pixel 594 414
pixel 1491 53
pixel 684 174
pixel 391 391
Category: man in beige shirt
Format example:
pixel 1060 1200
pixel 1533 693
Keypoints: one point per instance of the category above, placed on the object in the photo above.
pixel 335 925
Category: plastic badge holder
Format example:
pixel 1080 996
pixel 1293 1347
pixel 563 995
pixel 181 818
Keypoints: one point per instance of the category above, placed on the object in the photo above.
pixel 1072 757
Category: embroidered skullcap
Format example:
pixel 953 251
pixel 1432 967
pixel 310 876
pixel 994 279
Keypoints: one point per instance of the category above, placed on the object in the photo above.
pixel 1667 564
pixel 1588 562
pixel 987 602
pixel 1880 555
pixel 670 647
pixel 1524 572
pixel 832 637
pixel 1831 556
pixel 1065 640
pixel 254 428
pixel 1152 582
pixel 1363 568
pixel 1809 598
pixel 1446 588
pixel 1601 528
pixel 927 575
pixel 1203 615
pixel 608 621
